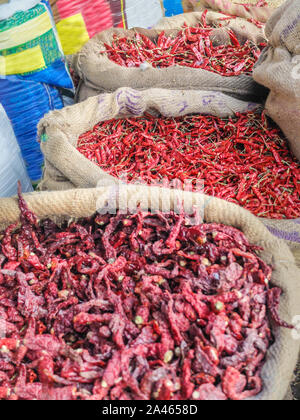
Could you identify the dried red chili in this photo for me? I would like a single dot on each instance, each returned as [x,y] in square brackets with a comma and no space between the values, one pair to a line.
[93,321]
[245,159]
[191,47]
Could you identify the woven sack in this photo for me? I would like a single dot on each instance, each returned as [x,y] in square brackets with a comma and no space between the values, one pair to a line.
[279,70]
[98,72]
[249,10]
[283,355]
[59,130]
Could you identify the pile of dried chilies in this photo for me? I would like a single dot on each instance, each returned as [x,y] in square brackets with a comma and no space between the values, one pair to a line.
[192,47]
[244,160]
[136,306]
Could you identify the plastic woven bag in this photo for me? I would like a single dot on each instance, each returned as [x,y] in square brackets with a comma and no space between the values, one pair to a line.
[79,20]
[173,7]
[32,66]
[12,168]
[25,104]
[29,45]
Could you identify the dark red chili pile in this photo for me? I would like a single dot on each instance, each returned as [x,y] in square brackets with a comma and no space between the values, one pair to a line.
[245,160]
[192,47]
[139,306]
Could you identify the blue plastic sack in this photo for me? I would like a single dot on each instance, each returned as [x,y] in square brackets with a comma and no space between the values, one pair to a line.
[12,168]
[25,103]
[173,7]
[32,69]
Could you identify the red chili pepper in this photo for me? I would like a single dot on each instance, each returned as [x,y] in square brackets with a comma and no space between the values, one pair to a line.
[191,47]
[133,306]
[237,158]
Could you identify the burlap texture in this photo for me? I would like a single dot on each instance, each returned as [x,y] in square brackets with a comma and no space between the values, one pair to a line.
[283,355]
[271,3]
[279,70]
[244,29]
[59,130]
[234,8]
[54,180]
[98,72]
[288,230]
[84,92]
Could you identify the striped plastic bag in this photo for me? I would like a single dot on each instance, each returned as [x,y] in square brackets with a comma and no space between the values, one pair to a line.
[32,67]
[79,20]
[29,45]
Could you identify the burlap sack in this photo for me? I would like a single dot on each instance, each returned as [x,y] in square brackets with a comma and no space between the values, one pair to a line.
[279,70]
[274,4]
[59,130]
[235,7]
[54,180]
[98,72]
[289,231]
[84,92]
[282,356]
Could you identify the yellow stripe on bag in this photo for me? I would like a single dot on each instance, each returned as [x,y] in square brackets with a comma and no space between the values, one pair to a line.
[123,14]
[72,33]
[23,62]
[26,32]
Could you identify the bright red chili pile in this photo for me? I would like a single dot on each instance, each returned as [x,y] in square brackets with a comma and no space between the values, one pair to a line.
[244,160]
[192,47]
[136,306]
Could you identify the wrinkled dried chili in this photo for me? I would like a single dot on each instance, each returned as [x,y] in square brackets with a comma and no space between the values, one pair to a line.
[88,320]
[192,47]
[245,159]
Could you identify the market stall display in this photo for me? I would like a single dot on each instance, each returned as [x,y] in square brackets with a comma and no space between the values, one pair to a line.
[159,258]
[116,245]
[32,67]
[12,168]
[157,58]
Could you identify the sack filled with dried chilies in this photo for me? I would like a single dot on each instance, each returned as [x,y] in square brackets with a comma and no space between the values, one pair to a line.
[98,255]
[206,51]
[59,132]
[255,11]
[242,158]
[226,143]
[278,70]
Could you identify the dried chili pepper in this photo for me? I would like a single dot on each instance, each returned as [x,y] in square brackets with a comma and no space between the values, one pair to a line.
[244,159]
[191,47]
[132,321]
